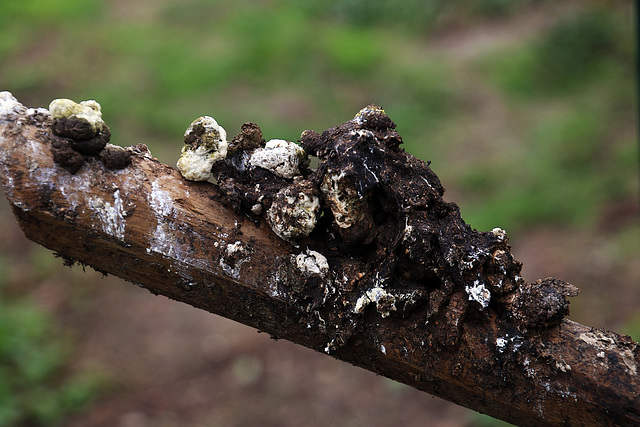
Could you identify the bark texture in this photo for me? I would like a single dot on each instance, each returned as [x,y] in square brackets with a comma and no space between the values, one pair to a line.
[387,277]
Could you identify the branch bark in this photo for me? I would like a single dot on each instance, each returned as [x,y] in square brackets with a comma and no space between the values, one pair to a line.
[411,292]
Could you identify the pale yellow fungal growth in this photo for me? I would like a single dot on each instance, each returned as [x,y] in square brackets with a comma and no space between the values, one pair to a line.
[88,111]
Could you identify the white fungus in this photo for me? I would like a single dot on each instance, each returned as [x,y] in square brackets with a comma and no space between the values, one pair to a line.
[499,233]
[501,343]
[283,158]
[236,255]
[345,202]
[312,263]
[205,144]
[385,302]
[293,214]
[110,216]
[479,293]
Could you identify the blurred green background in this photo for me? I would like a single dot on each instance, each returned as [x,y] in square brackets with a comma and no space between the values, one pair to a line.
[526,109]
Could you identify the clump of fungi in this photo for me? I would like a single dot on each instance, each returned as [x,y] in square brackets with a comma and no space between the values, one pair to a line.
[82,133]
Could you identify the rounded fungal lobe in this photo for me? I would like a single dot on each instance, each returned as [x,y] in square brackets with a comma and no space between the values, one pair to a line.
[283,158]
[115,157]
[82,123]
[92,146]
[542,304]
[205,144]
[249,138]
[374,118]
[294,211]
[312,263]
[76,121]
[65,156]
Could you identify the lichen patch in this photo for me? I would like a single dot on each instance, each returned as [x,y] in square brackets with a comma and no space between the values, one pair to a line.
[604,342]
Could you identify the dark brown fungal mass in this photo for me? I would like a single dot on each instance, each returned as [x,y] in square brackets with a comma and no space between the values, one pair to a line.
[73,127]
[249,138]
[542,304]
[377,215]
[65,156]
[382,218]
[92,146]
[75,137]
[115,157]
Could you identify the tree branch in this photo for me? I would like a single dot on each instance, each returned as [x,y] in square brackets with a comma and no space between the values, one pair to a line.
[388,277]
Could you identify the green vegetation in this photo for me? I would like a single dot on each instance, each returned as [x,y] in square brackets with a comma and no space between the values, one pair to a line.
[572,91]
[35,389]
[530,130]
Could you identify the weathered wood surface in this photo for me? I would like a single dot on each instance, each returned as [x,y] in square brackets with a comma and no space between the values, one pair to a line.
[185,240]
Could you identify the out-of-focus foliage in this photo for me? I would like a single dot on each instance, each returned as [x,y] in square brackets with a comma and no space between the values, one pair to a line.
[35,390]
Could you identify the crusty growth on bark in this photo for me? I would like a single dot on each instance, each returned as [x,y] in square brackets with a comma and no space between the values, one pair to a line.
[360,258]
[382,210]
